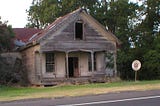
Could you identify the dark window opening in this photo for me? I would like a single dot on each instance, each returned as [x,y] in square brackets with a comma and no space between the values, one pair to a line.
[79,30]
[50,62]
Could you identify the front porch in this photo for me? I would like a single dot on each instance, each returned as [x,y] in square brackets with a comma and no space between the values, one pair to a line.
[78,66]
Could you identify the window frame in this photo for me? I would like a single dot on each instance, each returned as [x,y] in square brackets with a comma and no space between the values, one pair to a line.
[76,38]
[50,62]
[90,62]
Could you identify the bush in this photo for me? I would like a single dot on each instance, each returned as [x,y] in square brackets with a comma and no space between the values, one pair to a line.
[12,72]
[151,66]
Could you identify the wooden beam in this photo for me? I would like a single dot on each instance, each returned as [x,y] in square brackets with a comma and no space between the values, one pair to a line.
[115,64]
[92,59]
[41,74]
[67,71]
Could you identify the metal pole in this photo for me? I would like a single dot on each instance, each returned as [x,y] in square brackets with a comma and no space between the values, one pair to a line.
[135,76]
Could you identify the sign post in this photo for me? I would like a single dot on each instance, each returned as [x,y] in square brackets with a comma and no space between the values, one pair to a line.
[136,65]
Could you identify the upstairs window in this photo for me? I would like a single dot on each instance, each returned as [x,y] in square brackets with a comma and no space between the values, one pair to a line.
[50,62]
[79,30]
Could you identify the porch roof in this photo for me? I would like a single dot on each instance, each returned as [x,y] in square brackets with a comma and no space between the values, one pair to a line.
[78,46]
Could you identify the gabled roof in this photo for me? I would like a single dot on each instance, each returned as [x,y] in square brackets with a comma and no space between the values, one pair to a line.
[24,34]
[71,16]
[54,25]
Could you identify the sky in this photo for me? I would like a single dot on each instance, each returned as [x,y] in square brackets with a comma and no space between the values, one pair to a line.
[14,11]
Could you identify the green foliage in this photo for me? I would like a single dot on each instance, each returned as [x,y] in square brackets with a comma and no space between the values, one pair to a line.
[6,35]
[5,73]
[109,60]
[12,72]
[145,35]
[44,12]
[151,65]
[124,61]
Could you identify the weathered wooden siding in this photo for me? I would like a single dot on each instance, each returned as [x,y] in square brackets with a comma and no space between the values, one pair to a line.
[100,63]
[64,39]
[60,67]
[84,64]
[90,34]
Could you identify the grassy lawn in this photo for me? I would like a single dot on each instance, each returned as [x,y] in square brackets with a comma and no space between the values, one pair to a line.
[17,93]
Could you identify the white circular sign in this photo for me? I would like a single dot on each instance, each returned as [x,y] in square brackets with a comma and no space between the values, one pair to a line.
[136,65]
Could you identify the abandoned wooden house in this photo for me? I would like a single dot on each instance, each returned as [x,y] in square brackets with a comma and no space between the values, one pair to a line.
[72,47]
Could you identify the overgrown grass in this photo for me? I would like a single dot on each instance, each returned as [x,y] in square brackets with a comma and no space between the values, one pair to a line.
[16,93]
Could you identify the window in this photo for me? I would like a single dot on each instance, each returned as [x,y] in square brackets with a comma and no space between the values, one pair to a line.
[50,62]
[79,30]
[90,62]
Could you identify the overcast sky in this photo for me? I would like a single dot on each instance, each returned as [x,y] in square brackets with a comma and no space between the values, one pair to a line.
[14,11]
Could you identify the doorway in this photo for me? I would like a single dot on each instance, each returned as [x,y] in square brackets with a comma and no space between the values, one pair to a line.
[73,67]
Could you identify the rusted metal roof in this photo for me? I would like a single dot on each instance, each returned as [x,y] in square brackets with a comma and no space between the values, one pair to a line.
[24,34]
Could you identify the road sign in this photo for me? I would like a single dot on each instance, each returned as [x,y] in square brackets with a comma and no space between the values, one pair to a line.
[136,65]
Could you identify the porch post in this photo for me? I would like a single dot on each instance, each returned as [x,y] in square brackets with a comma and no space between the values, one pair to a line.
[67,75]
[92,59]
[115,64]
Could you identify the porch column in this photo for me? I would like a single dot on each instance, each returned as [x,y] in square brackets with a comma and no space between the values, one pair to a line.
[67,75]
[92,59]
[115,64]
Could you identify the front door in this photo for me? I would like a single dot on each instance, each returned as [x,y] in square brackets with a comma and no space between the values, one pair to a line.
[73,66]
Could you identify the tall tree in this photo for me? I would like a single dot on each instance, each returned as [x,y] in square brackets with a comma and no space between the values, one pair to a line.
[148,29]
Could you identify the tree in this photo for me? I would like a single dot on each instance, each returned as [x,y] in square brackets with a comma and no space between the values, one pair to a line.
[121,13]
[8,73]
[6,35]
[148,29]
[44,12]
[146,38]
